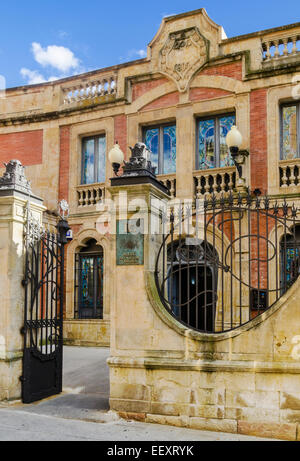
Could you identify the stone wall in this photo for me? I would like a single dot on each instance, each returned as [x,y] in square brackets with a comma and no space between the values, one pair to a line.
[87,333]
[244,381]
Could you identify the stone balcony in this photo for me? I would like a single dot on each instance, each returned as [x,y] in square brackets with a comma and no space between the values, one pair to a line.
[277,49]
[169,180]
[89,195]
[214,181]
[289,173]
[90,89]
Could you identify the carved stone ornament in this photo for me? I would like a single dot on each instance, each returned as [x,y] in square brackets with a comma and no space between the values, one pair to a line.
[63,209]
[139,162]
[14,178]
[183,54]
[34,230]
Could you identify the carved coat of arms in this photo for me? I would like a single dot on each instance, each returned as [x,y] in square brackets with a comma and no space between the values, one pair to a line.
[183,54]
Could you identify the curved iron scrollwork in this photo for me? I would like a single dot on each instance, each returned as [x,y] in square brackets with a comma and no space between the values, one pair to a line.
[227,260]
[43,313]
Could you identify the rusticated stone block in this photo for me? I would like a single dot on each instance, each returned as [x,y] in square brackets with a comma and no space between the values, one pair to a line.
[129,391]
[289,401]
[268,430]
[265,399]
[178,421]
[130,406]
[258,414]
[170,409]
[218,425]
[210,396]
[207,411]
[132,416]
[240,399]
[290,416]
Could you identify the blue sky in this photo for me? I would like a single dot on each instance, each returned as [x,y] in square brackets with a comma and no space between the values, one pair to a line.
[47,39]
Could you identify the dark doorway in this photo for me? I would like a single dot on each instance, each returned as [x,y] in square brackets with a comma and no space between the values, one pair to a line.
[193,291]
[290,258]
[89,282]
[192,285]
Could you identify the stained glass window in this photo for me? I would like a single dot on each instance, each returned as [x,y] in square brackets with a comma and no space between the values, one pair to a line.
[225,125]
[290,132]
[162,143]
[93,160]
[206,144]
[169,160]
[212,149]
[152,142]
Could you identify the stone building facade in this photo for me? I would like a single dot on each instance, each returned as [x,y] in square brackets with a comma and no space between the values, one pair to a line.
[181,100]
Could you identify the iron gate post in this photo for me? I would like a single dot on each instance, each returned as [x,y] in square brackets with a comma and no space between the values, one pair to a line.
[63,228]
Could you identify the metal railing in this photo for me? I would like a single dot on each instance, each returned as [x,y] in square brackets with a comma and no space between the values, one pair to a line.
[227,260]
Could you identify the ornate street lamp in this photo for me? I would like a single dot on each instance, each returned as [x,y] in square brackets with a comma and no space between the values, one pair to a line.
[234,140]
[116,158]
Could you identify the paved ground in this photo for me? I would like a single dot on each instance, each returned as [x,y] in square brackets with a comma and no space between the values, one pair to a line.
[82,411]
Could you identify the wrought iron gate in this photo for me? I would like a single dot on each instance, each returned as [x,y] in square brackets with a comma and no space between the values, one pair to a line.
[227,260]
[43,313]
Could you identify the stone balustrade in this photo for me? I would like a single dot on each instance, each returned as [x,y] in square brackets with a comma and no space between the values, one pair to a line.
[279,47]
[289,171]
[90,89]
[90,194]
[170,182]
[217,181]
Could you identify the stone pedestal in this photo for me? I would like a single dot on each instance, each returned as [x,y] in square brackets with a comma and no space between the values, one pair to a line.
[14,196]
[244,381]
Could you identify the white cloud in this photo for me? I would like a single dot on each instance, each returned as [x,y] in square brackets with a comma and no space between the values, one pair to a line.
[34,77]
[132,54]
[141,53]
[59,57]
[63,34]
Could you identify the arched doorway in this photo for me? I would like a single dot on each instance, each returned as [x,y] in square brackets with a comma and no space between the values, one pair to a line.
[89,282]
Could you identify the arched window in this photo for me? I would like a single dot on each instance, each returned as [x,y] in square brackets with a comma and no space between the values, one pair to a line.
[192,284]
[290,258]
[89,282]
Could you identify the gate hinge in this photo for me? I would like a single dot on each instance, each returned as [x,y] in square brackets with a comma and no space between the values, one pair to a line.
[22,379]
[24,282]
[22,331]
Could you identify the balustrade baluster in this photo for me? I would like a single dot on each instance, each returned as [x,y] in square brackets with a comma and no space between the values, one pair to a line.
[284,178]
[294,49]
[172,188]
[292,177]
[285,49]
[276,52]
[268,53]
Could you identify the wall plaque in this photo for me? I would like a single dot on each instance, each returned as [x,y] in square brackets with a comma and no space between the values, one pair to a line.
[130,244]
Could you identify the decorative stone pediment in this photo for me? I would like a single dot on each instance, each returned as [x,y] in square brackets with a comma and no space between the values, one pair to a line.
[182,55]
[183,45]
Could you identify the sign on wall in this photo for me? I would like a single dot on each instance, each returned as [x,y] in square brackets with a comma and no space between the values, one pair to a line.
[130,243]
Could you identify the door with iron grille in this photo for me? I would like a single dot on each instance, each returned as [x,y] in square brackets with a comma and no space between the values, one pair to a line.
[43,313]
[89,282]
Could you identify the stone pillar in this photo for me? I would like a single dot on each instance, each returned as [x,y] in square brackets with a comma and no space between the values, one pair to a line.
[15,193]
[138,198]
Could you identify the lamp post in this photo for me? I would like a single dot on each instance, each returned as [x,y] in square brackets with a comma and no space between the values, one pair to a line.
[116,158]
[234,140]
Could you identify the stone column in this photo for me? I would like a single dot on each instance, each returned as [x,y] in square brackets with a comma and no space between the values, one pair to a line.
[15,193]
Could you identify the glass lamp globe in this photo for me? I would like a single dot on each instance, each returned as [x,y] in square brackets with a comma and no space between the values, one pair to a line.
[116,158]
[116,155]
[234,138]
